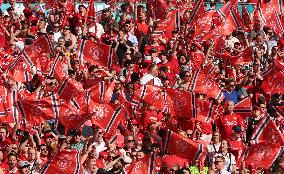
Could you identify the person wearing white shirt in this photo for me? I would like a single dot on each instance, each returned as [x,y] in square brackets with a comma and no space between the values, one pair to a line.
[151,77]
[229,158]
[98,29]
[220,165]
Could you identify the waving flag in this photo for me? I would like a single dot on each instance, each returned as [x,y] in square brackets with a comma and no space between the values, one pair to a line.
[52,4]
[34,53]
[37,111]
[246,56]
[181,103]
[267,131]
[203,84]
[9,110]
[246,16]
[68,89]
[91,11]
[244,108]
[64,161]
[176,144]
[262,154]
[95,53]
[106,116]
[153,95]
[19,70]
[161,9]
[145,165]
[168,24]
[198,10]
[56,69]
[273,81]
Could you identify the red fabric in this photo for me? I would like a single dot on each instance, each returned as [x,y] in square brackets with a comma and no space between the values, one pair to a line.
[199,9]
[106,116]
[180,103]
[273,81]
[19,70]
[91,11]
[94,52]
[198,58]
[244,108]
[69,88]
[172,160]
[226,123]
[168,25]
[41,110]
[262,154]
[180,146]
[65,161]
[267,131]
[141,166]
[203,84]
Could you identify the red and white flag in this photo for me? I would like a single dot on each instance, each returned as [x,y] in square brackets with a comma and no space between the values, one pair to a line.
[262,154]
[267,131]
[64,161]
[168,24]
[273,81]
[41,48]
[244,108]
[106,116]
[203,84]
[95,53]
[181,103]
[68,89]
[145,165]
[9,110]
[176,144]
[198,10]
[20,70]
[246,56]
[38,111]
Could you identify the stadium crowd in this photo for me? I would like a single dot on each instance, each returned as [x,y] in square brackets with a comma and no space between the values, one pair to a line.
[149,87]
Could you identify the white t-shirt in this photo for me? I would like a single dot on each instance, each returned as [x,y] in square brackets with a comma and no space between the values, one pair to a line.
[100,30]
[229,159]
[148,77]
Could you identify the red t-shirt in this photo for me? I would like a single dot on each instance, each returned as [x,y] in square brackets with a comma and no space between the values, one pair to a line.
[226,123]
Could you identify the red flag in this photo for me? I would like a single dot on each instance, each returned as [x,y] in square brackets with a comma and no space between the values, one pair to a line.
[64,161]
[98,91]
[109,92]
[69,89]
[56,69]
[203,24]
[70,7]
[244,57]
[203,84]
[52,4]
[262,154]
[106,116]
[273,81]
[244,108]
[181,103]
[91,11]
[265,11]
[38,111]
[198,10]
[161,9]
[95,53]
[168,24]
[37,50]
[267,131]
[145,165]
[6,60]
[176,144]
[246,16]
[9,111]
[279,64]
[153,95]
[19,70]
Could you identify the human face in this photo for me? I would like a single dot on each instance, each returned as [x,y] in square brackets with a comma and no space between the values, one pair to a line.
[130,142]
[216,137]
[224,145]
[12,161]
[155,71]
[43,151]
[92,166]
[140,155]
[25,170]
[219,163]
[3,134]
[230,106]
[32,154]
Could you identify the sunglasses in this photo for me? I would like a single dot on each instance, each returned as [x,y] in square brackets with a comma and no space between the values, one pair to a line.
[130,140]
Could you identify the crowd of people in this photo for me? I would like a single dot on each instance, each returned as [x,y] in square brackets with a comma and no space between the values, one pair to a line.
[141,87]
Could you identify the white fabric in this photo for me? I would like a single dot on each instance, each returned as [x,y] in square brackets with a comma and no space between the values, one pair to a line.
[100,30]
[148,77]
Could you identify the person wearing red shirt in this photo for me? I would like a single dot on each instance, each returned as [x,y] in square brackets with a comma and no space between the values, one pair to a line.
[197,56]
[228,120]
[237,144]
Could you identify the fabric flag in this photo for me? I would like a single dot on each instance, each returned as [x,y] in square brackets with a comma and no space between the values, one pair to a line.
[237,16]
[57,69]
[91,12]
[69,7]
[95,53]
[106,116]
[37,111]
[153,95]
[262,154]
[172,160]
[161,9]
[98,92]
[41,48]
[198,10]
[19,70]
[109,92]
[145,165]
[9,110]
[64,161]
[244,57]
[168,25]
[203,24]
[69,88]
[244,108]
[203,84]
[279,111]
[273,81]
[275,23]
[267,131]
[246,16]
[6,60]
[279,64]
[265,11]
[226,8]
[181,103]
[176,144]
